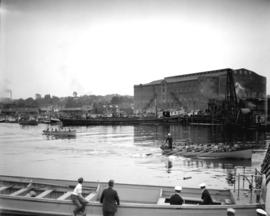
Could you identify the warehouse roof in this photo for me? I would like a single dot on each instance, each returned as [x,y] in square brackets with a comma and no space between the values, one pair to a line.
[193,76]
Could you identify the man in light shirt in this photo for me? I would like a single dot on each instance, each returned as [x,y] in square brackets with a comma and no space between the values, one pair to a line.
[77,198]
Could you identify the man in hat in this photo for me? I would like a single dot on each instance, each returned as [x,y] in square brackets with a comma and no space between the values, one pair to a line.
[206,197]
[77,198]
[110,200]
[176,199]
[230,212]
[261,212]
[170,141]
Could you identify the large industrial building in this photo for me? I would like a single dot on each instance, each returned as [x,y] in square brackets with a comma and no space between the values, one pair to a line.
[194,92]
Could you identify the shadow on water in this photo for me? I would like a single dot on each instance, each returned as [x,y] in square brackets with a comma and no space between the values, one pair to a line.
[59,137]
[216,163]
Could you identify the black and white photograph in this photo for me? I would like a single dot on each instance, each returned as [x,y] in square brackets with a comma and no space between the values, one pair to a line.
[134,107]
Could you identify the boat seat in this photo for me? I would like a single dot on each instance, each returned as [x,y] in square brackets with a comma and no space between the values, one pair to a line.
[44,193]
[228,201]
[65,196]
[161,192]
[91,196]
[18,192]
[3,188]
[194,200]
[161,201]
[131,194]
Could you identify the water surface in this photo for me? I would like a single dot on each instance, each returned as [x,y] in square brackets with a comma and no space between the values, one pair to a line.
[127,154]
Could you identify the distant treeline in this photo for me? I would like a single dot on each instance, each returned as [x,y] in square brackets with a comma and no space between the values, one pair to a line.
[70,102]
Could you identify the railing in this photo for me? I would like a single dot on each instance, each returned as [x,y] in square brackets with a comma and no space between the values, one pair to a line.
[254,184]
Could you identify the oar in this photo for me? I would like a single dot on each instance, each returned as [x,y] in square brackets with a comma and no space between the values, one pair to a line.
[187,177]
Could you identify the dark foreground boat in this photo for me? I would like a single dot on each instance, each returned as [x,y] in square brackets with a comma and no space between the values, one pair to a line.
[53,198]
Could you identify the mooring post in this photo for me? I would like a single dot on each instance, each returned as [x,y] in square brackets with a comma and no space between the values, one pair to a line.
[267,197]
[238,192]
[251,189]
[234,182]
[244,175]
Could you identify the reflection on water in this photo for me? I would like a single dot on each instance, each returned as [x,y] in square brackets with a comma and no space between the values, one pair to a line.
[129,154]
[198,135]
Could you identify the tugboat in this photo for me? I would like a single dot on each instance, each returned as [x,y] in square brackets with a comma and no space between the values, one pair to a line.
[30,120]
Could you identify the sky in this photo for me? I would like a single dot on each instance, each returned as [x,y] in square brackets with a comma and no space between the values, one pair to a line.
[108,46]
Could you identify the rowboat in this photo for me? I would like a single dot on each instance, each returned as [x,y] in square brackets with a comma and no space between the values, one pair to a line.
[68,133]
[181,151]
[53,198]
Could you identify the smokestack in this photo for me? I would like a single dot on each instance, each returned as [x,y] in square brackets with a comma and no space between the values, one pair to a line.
[10,93]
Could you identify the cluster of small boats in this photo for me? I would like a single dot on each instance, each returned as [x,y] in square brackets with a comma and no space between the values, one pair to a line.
[52,197]
[209,151]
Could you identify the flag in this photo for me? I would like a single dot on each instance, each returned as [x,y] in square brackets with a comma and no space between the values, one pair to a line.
[265,167]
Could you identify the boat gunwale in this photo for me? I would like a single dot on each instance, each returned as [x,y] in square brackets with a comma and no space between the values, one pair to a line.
[96,182]
[67,184]
[132,205]
[212,154]
[29,212]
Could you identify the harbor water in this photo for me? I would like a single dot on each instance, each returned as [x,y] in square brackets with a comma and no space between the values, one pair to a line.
[127,154]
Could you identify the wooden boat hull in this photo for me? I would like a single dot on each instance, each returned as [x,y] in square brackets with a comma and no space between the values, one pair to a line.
[59,133]
[27,207]
[241,154]
[136,200]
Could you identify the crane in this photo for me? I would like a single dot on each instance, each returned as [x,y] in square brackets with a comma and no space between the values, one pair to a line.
[231,107]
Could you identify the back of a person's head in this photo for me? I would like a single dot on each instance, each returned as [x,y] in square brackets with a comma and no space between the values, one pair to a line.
[80,180]
[111,183]
[32,193]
